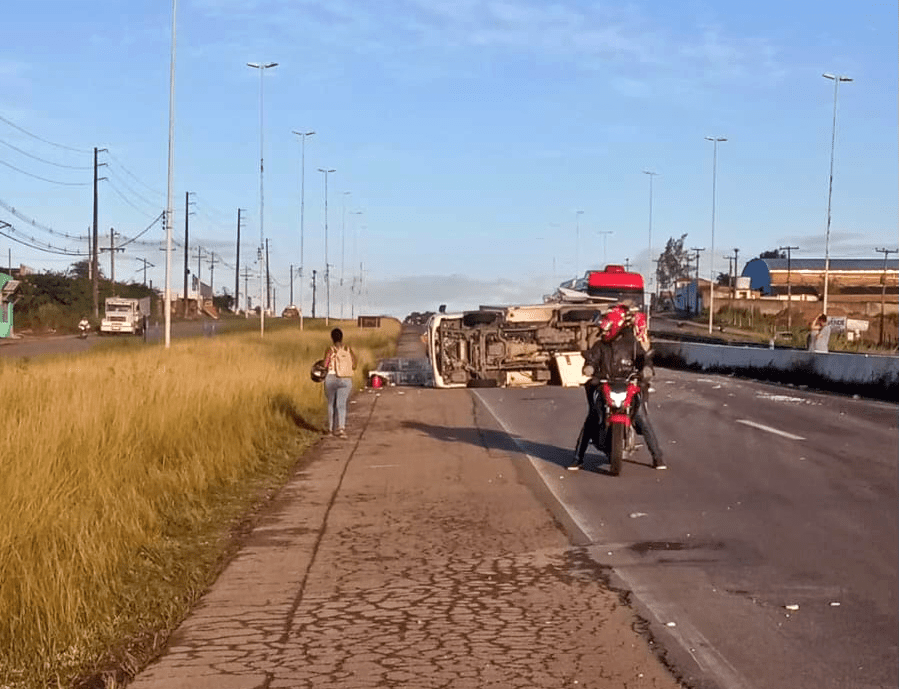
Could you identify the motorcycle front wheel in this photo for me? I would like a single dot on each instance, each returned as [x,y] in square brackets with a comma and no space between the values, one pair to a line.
[617,433]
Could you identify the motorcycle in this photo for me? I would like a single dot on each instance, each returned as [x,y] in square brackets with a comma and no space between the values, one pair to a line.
[83,329]
[620,399]
[616,396]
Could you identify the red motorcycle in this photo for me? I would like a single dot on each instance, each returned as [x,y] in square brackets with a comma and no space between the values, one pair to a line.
[620,399]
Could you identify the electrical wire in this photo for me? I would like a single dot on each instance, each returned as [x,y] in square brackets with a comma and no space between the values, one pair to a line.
[44,179]
[35,136]
[133,176]
[48,162]
[40,226]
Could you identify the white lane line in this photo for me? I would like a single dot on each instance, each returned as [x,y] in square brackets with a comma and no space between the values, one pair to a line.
[546,470]
[776,431]
[690,639]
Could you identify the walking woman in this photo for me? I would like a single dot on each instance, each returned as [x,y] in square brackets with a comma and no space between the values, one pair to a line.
[340,361]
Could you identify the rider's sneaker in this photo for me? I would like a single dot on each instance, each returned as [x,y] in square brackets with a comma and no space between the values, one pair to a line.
[576,464]
[659,464]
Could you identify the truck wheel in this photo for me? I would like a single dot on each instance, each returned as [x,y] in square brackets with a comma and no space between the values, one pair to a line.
[482,383]
[478,318]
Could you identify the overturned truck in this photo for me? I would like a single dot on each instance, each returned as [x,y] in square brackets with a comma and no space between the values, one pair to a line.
[536,344]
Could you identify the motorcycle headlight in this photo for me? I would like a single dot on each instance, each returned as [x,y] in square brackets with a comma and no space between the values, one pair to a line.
[587,370]
[618,397]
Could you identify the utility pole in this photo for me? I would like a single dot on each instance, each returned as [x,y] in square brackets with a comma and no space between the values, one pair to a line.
[313,292]
[789,250]
[146,263]
[212,263]
[95,257]
[291,283]
[736,254]
[186,246]
[112,249]
[200,255]
[268,280]
[627,264]
[883,291]
[237,267]
[246,292]
[696,292]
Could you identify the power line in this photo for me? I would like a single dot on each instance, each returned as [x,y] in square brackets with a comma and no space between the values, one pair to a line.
[35,136]
[48,162]
[133,176]
[44,179]
[36,224]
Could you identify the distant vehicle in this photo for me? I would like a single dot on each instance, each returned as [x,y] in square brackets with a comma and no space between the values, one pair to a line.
[124,315]
[500,346]
[290,312]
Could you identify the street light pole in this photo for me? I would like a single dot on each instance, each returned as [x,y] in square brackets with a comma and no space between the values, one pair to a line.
[169,213]
[326,172]
[261,66]
[605,234]
[789,250]
[577,243]
[343,250]
[715,141]
[649,264]
[837,78]
[303,136]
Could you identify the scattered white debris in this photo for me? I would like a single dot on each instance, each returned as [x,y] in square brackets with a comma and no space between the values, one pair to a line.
[635,515]
[716,387]
[792,606]
[834,604]
[786,398]
[671,624]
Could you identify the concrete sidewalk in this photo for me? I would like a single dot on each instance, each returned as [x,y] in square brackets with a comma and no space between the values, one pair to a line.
[409,555]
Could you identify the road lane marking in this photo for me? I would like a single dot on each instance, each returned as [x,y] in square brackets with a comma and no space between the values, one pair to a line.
[776,431]
[703,653]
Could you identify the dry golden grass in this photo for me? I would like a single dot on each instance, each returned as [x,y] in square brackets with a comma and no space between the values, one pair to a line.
[122,473]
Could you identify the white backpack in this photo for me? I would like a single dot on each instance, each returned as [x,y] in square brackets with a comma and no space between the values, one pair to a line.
[343,362]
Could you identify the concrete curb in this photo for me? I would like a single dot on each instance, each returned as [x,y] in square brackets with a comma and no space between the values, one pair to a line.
[867,375]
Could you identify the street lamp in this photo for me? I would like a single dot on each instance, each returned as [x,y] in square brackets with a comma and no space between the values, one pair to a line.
[169,213]
[353,262]
[649,264]
[261,66]
[326,172]
[837,78]
[303,136]
[343,248]
[577,243]
[715,141]
[605,234]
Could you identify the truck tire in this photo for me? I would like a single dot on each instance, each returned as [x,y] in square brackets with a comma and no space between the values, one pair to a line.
[479,318]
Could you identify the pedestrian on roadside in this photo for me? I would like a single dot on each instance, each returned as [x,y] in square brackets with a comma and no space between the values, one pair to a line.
[340,361]
[819,337]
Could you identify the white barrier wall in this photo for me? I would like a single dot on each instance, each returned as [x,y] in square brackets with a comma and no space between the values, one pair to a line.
[869,374]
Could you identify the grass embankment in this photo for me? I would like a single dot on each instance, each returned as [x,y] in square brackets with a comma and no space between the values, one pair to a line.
[124,474]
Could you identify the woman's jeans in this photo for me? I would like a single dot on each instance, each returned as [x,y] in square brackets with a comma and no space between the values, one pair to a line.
[337,390]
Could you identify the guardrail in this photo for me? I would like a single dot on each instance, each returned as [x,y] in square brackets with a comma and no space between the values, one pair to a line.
[867,375]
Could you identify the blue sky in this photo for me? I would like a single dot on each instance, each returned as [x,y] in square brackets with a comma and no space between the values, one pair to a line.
[468,133]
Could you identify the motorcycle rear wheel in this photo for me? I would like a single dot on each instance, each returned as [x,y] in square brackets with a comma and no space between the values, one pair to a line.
[616,448]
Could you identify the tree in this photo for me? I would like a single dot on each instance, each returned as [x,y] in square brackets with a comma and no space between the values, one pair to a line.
[774,253]
[674,263]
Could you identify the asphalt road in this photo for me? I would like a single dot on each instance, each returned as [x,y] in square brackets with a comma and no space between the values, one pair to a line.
[775,498]
[51,345]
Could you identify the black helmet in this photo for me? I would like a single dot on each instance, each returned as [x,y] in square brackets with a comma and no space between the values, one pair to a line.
[318,372]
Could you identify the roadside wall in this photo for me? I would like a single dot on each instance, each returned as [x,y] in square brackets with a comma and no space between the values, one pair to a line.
[862,374]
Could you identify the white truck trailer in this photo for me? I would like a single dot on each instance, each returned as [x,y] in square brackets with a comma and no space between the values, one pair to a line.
[124,315]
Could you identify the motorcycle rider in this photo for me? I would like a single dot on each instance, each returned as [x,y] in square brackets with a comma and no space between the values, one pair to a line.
[84,326]
[620,321]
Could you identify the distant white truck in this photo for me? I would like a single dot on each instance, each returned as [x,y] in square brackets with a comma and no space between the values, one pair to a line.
[125,315]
